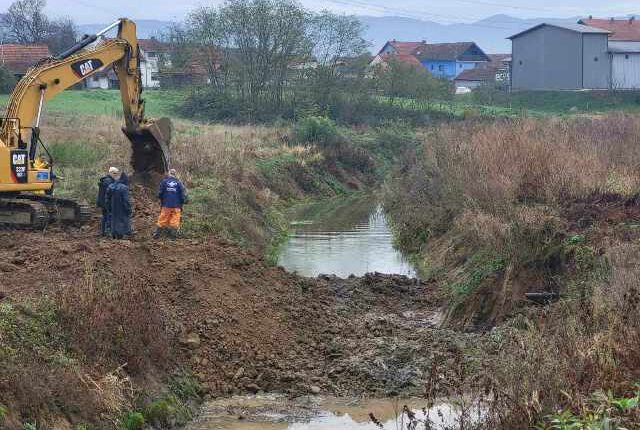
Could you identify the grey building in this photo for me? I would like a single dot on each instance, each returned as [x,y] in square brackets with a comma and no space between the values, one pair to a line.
[560,57]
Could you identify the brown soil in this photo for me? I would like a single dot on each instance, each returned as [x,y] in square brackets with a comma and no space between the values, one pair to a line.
[244,327]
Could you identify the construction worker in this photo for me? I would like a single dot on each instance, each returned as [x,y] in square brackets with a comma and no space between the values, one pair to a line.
[172,195]
[120,207]
[101,201]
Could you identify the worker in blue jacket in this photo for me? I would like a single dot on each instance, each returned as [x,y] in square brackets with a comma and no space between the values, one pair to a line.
[118,201]
[173,195]
[101,201]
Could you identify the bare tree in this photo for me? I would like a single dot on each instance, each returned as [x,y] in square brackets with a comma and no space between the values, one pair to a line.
[61,35]
[336,37]
[25,21]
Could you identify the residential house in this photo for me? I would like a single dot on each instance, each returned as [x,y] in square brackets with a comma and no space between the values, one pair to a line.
[394,47]
[495,73]
[399,51]
[19,58]
[448,60]
[153,55]
[443,60]
[560,57]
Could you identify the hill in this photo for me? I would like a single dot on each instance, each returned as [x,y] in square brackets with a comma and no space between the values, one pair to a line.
[147,28]
[490,33]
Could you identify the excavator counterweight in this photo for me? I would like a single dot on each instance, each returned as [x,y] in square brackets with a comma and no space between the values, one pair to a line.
[27,187]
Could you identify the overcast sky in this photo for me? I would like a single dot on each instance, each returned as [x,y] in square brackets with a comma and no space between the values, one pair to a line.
[444,11]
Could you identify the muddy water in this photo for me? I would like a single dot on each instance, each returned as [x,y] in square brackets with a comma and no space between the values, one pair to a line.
[345,237]
[272,412]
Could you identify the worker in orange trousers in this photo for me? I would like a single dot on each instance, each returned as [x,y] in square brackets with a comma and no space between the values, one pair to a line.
[173,195]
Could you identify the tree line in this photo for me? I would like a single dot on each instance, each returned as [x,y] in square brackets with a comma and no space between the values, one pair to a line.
[274,58]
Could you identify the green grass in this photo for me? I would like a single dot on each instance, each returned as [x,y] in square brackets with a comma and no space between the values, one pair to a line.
[533,103]
[107,102]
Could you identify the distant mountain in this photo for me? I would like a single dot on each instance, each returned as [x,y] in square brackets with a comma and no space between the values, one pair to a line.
[490,33]
[147,28]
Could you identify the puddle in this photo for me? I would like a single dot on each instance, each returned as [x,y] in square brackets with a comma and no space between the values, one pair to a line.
[344,237]
[273,412]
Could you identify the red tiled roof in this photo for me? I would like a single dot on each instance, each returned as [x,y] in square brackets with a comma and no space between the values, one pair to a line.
[461,51]
[621,29]
[403,58]
[480,74]
[405,48]
[485,72]
[153,45]
[18,58]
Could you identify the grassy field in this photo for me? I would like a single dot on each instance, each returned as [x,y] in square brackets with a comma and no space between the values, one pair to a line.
[480,104]
[490,104]
[107,102]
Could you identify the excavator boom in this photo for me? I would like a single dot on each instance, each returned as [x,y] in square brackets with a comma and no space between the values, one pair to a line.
[53,75]
[22,181]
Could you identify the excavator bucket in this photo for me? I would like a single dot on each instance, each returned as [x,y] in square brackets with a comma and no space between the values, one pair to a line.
[150,147]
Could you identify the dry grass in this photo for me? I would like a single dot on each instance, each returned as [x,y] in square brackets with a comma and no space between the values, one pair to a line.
[495,166]
[528,205]
[560,356]
[235,174]
[114,321]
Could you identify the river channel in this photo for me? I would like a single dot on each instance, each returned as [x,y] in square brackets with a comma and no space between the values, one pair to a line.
[342,237]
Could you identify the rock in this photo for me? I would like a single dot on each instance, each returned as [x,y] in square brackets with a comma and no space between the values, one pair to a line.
[192,340]
[238,374]
[7,267]
[314,389]
[253,388]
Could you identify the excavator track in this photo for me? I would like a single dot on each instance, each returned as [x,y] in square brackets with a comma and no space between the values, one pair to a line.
[21,213]
[61,210]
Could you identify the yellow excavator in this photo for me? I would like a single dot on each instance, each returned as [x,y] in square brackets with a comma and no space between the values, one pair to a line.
[26,184]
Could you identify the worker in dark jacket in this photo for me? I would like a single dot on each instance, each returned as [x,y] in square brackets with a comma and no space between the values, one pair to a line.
[101,201]
[172,195]
[118,202]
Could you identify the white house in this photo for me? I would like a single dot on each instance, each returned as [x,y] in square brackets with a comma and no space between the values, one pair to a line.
[152,56]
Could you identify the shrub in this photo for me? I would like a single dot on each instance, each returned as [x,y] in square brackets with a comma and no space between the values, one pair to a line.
[316,129]
[7,81]
[112,319]
[133,421]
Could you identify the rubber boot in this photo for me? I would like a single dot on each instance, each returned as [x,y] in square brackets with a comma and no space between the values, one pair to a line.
[157,233]
[172,232]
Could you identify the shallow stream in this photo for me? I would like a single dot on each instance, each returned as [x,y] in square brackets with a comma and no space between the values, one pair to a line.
[273,412]
[342,237]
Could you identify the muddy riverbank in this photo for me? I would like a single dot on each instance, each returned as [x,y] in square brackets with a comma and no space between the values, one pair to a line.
[275,412]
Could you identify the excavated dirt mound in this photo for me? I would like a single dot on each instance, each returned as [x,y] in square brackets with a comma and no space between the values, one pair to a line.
[244,327]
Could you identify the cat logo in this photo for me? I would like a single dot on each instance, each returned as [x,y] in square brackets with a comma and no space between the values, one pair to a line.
[19,171]
[86,67]
[19,159]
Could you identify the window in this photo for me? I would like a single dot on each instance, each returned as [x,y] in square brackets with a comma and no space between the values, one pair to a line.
[520,62]
[440,68]
[626,56]
[595,59]
[432,67]
[461,66]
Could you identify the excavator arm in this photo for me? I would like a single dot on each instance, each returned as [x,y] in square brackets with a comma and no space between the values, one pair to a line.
[149,139]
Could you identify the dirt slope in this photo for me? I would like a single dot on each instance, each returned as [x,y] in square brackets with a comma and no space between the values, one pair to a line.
[242,326]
